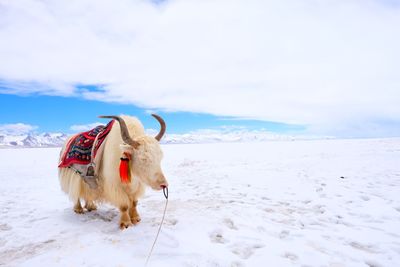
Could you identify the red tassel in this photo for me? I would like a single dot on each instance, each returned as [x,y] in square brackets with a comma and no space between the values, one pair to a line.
[124,168]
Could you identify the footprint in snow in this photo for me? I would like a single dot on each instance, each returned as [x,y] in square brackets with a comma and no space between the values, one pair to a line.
[269,210]
[5,227]
[283,234]
[37,219]
[365,198]
[217,237]
[319,209]
[230,224]
[371,263]
[245,251]
[283,203]
[366,248]
[290,256]
[171,222]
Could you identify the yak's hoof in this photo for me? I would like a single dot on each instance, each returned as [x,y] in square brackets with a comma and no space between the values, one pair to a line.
[90,207]
[78,210]
[136,219]
[124,225]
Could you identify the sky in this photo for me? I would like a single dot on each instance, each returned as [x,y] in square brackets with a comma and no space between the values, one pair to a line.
[292,66]
[40,113]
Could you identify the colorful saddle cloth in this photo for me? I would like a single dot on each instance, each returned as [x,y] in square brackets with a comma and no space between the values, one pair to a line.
[79,148]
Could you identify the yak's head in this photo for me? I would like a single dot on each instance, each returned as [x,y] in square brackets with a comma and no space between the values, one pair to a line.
[146,154]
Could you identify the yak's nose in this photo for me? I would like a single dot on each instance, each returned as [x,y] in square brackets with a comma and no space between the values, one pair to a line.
[162,181]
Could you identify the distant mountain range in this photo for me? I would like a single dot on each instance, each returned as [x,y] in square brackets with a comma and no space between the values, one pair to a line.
[33,140]
[58,139]
[234,136]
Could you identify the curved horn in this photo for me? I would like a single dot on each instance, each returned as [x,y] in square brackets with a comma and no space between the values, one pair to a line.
[124,130]
[163,126]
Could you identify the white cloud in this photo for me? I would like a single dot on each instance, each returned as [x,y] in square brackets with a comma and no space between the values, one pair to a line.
[17,128]
[325,64]
[85,127]
[151,131]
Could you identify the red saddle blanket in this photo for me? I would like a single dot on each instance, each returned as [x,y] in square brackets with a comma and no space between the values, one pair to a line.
[79,148]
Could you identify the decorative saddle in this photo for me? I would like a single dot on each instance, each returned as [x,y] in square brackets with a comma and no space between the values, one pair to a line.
[82,152]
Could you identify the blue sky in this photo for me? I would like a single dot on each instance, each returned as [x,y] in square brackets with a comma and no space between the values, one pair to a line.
[58,114]
[325,68]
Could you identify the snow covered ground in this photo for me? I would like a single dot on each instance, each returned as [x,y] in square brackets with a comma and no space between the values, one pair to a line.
[278,203]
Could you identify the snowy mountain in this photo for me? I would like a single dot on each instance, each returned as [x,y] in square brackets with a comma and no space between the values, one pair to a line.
[231,137]
[32,140]
[199,137]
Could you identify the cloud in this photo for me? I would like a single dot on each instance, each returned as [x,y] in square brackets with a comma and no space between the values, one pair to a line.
[324,64]
[85,127]
[151,131]
[17,128]
[224,129]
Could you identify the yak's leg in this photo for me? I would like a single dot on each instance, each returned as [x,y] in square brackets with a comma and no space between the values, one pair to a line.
[135,218]
[125,220]
[78,207]
[89,205]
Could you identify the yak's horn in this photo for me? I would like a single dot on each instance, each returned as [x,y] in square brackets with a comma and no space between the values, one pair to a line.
[124,130]
[163,126]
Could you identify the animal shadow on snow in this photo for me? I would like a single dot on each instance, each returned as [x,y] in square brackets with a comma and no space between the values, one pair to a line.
[105,214]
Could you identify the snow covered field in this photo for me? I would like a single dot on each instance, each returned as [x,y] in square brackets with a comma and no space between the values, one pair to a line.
[279,203]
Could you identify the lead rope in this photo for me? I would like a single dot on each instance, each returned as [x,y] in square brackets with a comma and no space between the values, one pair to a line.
[165,192]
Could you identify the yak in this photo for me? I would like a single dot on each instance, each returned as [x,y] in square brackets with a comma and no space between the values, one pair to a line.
[127,137]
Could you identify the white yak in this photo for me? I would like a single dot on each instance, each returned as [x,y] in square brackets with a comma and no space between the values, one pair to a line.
[126,136]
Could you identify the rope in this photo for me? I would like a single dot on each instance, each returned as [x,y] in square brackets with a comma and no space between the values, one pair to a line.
[165,192]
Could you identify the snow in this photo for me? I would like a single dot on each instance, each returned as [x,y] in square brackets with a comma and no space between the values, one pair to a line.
[278,203]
